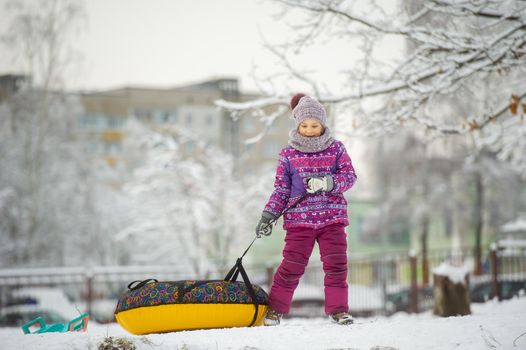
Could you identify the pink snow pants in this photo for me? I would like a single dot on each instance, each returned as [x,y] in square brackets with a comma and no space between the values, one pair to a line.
[299,243]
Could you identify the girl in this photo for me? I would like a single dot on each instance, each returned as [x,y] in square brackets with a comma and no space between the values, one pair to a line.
[313,162]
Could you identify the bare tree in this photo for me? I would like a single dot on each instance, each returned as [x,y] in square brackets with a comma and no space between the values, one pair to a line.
[45,177]
[457,78]
[40,39]
[460,50]
[189,211]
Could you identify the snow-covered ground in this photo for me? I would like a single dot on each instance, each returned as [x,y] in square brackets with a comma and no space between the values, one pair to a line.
[492,325]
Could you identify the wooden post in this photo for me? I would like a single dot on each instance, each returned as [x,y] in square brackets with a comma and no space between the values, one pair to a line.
[479,206]
[414,286]
[494,261]
[425,271]
[384,296]
[425,263]
[89,294]
[451,294]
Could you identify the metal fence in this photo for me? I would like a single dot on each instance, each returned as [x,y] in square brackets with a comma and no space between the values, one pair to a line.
[381,284]
[392,282]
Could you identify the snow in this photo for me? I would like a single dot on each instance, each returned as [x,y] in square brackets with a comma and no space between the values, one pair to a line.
[493,325]
[361,297]
[308,292]
[365,297]
[512,243]
[515,226]
[47,297]
[456,274]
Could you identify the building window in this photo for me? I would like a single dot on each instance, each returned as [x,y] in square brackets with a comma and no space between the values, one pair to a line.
[142,114]
[171,117]
[166,117]
[228,86]
[115,122]
[112,148]
[103,121]
[158,116]
[93,121]
[189,119]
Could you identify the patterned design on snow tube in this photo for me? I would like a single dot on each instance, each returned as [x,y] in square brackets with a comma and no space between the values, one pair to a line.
[190,292]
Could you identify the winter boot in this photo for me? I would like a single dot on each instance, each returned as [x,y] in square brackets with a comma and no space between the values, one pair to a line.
[342,318]
[272,317]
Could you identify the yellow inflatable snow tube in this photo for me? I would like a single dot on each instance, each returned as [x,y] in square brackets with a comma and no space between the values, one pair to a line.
[158,307]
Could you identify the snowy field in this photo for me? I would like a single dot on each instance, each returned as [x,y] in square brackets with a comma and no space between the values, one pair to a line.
[492,326]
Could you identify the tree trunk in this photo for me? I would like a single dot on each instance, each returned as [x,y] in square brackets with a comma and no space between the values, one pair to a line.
[425,226]
[479,202]
[424,237]
[451,299]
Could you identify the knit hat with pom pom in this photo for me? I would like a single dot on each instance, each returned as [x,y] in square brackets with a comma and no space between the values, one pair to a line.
[305,107]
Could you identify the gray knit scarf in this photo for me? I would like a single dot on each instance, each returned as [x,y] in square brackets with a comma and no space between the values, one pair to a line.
[310,144]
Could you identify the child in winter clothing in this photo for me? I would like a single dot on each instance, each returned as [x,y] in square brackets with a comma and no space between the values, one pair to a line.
[316,163]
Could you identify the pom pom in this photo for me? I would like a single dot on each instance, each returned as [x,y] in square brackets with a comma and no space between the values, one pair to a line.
[295,100]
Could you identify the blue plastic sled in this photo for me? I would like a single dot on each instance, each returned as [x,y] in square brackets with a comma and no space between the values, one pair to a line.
[78,324]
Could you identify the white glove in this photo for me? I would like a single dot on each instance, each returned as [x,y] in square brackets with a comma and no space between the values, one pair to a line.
[316,184]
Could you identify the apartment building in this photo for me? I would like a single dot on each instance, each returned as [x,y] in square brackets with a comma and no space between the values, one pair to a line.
[191,110]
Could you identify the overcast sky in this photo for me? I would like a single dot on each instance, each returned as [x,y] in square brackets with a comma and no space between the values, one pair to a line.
[166,43]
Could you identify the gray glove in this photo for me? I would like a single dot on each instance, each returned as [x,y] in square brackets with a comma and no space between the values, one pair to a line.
[264,226]
[317,184]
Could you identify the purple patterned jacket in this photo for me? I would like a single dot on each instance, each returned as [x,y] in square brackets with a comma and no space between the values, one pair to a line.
[323,208]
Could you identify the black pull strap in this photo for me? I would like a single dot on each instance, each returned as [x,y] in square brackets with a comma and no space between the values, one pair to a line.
[292,206]
[238,268]
[140,283]
[251,292]
[232,276]
[272,222]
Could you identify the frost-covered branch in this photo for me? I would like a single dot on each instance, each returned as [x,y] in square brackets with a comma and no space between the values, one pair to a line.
[196,206]
[447,49]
